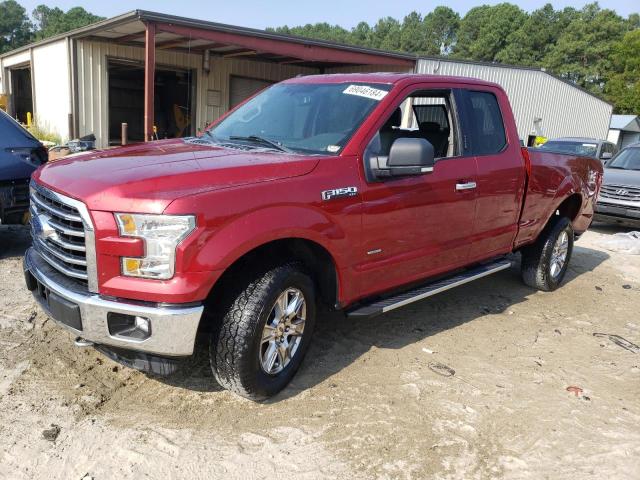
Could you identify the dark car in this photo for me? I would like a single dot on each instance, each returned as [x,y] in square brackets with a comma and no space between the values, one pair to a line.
[619,200]
[20,155]
[586,147]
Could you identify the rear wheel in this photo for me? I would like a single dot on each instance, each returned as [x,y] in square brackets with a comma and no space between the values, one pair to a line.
[545,263]
[265,332]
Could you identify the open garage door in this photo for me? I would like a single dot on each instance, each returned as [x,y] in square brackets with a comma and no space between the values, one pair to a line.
[173,103]
[241,88]
[22,93]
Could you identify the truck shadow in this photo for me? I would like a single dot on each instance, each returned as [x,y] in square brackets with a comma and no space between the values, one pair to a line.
[339,342]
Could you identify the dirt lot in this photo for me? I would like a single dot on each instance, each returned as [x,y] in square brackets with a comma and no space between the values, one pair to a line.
[366,403]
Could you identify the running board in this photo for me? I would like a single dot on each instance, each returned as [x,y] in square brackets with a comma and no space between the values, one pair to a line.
[391,303]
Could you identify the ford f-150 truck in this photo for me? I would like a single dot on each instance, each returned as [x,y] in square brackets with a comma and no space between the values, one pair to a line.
[361,192]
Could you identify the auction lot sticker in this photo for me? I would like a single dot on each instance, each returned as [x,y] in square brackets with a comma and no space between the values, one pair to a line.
[364,91]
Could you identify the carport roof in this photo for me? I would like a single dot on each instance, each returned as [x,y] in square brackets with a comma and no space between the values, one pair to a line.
[192,35]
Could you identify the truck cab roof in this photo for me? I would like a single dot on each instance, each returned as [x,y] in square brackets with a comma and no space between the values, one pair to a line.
[389,78]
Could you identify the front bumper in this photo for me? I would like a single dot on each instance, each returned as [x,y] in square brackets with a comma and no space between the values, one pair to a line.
[621,213]
[173,327]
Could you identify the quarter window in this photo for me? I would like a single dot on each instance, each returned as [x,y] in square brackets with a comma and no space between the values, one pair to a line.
[486,130]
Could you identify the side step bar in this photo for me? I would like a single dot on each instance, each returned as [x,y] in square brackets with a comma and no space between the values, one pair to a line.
[391,303]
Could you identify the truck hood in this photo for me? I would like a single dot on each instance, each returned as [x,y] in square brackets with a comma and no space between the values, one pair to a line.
[615,176]
[147,177]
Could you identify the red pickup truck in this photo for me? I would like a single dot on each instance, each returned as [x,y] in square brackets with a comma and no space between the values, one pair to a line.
[360,192]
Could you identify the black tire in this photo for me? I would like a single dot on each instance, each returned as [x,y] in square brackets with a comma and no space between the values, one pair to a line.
[536,258]
[236,342]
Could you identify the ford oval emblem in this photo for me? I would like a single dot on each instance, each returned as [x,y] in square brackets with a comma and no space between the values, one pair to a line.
[40,227]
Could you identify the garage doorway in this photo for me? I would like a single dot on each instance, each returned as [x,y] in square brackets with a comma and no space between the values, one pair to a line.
[174,101]
[21,93]
[241,88]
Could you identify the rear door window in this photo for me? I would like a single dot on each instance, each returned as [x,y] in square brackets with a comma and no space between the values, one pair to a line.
[485,127]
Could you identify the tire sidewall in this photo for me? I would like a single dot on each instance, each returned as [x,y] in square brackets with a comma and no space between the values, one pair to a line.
[267,385]
[562,225]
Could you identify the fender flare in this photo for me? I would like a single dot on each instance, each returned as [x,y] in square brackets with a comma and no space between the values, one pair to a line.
[231,241]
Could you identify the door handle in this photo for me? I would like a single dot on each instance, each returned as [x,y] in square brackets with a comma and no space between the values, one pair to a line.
[465,186]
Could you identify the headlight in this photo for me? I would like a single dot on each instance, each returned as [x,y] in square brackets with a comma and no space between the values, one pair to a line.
[161,235]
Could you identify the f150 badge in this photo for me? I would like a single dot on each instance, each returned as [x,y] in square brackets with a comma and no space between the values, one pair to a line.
[339,193]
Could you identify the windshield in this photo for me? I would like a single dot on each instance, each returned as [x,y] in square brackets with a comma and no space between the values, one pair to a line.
[627,159]
[584,149]
[306,118]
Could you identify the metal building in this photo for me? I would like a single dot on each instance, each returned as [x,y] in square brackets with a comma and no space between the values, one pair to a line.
[544,105]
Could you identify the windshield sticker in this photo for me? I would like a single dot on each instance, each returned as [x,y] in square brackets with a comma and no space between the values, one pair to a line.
[333,148]
[589,145]
[364,91]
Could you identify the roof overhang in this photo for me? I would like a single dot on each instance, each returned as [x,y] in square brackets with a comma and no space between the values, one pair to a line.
[197,36]
[625,123]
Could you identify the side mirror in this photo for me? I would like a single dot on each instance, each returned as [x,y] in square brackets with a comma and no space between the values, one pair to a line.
[606,156]
[408,156]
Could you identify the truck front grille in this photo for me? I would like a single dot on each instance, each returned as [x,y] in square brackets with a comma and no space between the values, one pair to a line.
[58,233]
[620,192]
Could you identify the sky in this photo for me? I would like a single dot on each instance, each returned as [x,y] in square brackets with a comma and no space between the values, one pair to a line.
[265,13]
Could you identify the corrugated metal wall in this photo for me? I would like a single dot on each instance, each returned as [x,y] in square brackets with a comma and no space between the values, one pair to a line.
[564,110]
[93,81]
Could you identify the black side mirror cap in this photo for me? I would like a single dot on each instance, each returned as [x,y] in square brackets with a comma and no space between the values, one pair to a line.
[408,156]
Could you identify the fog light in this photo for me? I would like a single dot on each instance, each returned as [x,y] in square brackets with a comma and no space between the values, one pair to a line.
[128,326]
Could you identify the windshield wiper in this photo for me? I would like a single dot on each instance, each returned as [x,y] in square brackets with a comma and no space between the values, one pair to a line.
[262,140]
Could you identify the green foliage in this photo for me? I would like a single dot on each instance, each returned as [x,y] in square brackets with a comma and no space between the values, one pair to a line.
[53,21]
[44,134]
[15,29]
[623,86]
[593,47]
[583,50]
[536,37]
[484,31]
[441,27]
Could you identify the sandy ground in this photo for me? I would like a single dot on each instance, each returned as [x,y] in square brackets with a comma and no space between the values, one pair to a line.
[366,403]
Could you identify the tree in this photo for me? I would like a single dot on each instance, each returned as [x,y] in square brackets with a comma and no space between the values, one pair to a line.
[15,29]
[623,87]
[441,26]
[321,31]
[386,34]
[484,30]
[583,52]
[361,34]
[53,21]
[413,36]
[536,37]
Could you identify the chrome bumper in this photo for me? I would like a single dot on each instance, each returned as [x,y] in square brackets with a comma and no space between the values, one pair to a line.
[173,327]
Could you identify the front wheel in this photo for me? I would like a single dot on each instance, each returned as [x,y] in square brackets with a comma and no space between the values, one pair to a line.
[545,263]
[264,333]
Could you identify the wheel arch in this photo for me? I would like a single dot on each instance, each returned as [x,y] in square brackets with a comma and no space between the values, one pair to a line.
[315,257]
[569,207]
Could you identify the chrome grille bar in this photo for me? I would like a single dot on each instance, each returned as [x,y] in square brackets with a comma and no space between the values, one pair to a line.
[72,259]
[620,192]
[63,234]
[55,211]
